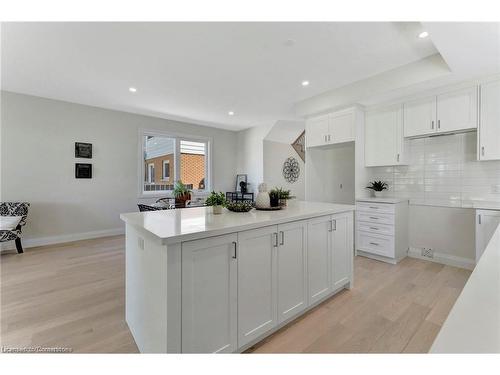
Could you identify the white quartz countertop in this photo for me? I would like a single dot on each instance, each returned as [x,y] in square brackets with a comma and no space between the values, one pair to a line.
[382,200]
[473,325]
[172,226]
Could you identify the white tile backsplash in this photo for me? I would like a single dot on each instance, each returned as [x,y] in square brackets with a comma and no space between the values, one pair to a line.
[443,171]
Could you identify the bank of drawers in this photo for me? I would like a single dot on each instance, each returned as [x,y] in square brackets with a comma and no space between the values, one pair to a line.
[375,224]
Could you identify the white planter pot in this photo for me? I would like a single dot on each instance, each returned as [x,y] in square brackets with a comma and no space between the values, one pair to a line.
[378,194]
[217,210]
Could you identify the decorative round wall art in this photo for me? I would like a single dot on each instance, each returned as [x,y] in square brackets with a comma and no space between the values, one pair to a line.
[291,170]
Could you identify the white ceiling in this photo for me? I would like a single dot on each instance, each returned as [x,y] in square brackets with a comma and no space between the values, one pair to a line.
[200,71]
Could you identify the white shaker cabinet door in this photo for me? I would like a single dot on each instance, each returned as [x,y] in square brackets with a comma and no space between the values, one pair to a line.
[317,130]
[342,250]
[457,110]
[209,295]
[419,117]
[487,222]
[257,278]
[489,126]
[319,257]
[341,127]
[384,143]
[292,271]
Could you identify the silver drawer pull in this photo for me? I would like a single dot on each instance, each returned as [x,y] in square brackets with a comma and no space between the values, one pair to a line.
[374,243]
[374,218]
[375,208]
[373,228]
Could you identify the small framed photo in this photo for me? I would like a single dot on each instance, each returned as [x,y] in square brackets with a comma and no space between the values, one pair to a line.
[83,170]
[239,179]
[83,150]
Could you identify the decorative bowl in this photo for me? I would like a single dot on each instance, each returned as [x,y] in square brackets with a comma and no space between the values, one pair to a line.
[239,206]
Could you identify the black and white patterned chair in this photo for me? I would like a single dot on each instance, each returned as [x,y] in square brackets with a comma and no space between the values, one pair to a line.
[14,209]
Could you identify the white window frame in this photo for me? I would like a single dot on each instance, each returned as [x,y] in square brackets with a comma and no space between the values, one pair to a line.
[177,166]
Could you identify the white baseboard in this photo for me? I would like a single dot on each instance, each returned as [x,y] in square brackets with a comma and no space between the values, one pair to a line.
[450,260]
[53,240]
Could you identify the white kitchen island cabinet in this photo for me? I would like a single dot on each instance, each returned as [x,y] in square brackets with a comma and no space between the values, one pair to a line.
[203,283]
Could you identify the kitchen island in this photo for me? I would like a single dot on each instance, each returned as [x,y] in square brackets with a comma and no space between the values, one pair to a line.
[203,283]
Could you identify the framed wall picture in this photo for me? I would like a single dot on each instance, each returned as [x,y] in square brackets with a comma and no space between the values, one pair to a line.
[239,186]
[83,150]
[83,170]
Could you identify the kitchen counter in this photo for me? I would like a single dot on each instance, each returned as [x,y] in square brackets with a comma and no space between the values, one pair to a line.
[203,283]
[473,325]
[172,226]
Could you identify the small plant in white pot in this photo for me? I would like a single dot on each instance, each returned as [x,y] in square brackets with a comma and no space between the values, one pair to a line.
[377,187]
[217,201]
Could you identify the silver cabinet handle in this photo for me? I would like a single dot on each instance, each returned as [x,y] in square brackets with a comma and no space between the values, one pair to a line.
[328,137]
[374,218]
[375,208]
[235,254]
[330,226]
[373,228]
[282,242]
[334,224]
[439,124]
[374,243]
[275,234]
[479,218]
[432,124]
[398,158]
[482,150]
[325,138]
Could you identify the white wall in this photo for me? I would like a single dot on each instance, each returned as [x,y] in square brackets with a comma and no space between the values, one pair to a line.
[37,155]
[250,154]
[275,154]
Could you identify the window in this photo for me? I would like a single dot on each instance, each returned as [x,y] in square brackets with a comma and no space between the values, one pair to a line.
[167,159]
[166,170]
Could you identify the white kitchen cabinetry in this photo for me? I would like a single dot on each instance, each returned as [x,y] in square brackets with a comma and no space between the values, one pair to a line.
[487,222]
[419,117]
[292,269]
[330,254]
[331,128]
[317,130]
[382,228]
[209,295]
[444,113]
[384,141]
[489,121]
[318,257]
[257,282]
[342,250]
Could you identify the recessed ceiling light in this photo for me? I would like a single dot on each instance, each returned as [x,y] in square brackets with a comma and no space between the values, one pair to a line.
[423,34]
[132,89]
[230,113]
[305,83]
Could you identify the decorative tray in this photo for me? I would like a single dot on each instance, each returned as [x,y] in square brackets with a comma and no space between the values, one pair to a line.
[269,208]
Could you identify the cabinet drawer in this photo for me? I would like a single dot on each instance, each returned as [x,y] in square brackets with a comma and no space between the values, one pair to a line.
[376,228]
[378,218]
[376,244]
[376,207]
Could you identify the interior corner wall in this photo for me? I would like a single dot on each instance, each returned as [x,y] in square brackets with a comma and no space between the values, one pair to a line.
[38,164]
[275,154]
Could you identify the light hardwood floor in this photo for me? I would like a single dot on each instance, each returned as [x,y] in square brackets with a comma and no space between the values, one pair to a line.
[73,296]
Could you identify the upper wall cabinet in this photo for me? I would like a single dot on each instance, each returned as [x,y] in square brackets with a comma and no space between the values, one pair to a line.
[489,125]
[384,142]
[331,128]
[419,117]
[445,113]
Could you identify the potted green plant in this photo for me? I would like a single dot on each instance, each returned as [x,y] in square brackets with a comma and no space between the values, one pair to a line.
[377,187]
[274,198]
[181,194]
[283,195]
[217,201]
